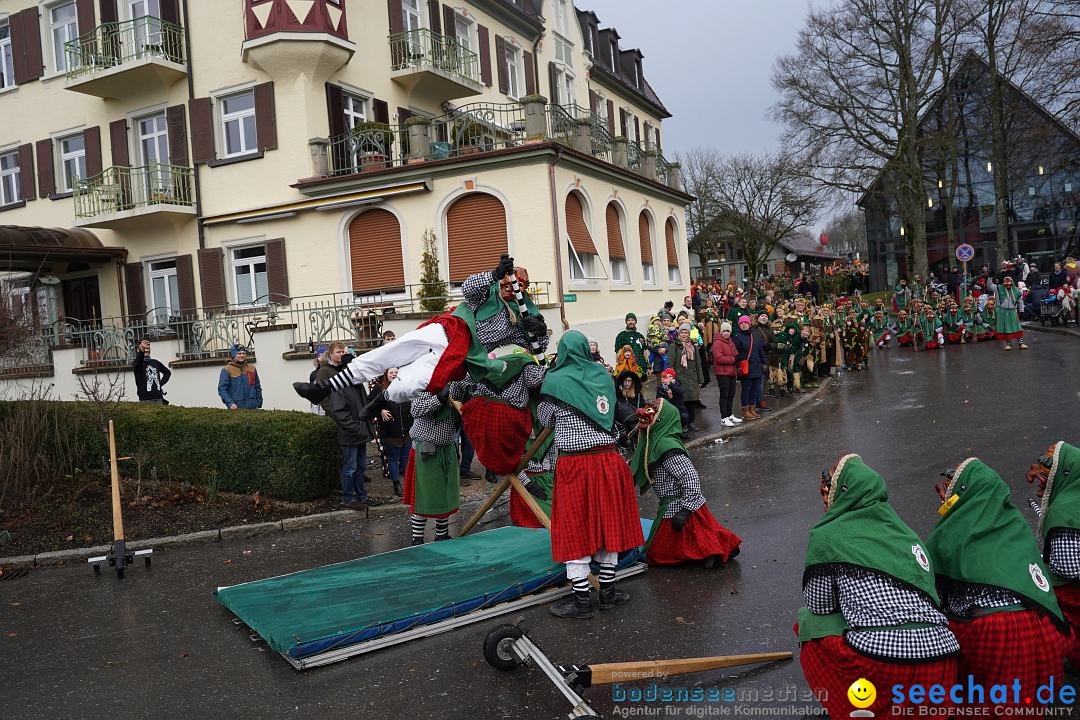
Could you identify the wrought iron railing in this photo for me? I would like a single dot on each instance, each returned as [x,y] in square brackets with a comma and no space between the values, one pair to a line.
[28,355]
[127,188]
[112,44]
[421,48]
[663,174]
[634,156]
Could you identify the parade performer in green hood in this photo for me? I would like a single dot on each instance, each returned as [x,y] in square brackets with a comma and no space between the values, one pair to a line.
[901,297]
[879,330]
[1058,475]
[905,329]
[993,584]
[594,514]
[1009,303]
[432,479]
[684,529]
[871,604]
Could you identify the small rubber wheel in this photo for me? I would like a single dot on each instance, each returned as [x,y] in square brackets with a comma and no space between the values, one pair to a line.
[497,647]
[120,571]
[97,569]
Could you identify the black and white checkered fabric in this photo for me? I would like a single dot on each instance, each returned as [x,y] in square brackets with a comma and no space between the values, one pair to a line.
[544,463]
[425,427]
[573,431]
[673,475]
[1065,552]
[966,600]
[869,599]
[516,393]
[498,330]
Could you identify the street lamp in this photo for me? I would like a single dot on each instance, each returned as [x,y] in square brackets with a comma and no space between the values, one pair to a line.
[989,166]
[901,231]
[930,202]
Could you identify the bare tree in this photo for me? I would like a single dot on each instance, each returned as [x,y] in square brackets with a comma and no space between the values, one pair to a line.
[1060,19]
[852,96]
[762,199]
[701,167]
[847,233]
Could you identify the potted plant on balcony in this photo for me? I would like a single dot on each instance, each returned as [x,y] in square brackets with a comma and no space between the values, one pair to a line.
[468,135]
[372,142]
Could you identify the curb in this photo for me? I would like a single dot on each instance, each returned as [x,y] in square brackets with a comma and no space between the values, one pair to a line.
[769,419]
[234,532]
[1051,329]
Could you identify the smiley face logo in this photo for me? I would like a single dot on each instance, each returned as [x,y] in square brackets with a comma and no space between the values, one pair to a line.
[862,693]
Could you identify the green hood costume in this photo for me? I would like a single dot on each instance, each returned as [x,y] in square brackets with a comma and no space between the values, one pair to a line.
[662,436]
[578,381]
[982,539]
[1061,498]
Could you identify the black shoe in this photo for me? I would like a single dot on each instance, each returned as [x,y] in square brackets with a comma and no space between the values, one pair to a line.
[573,607]
[418,541]
[469,475]
[440,538]
[398,491]
[612,596]
[711,562]
[763,406]
[314,392]
[491,477]
[692,427]
[355,505]
[734,554]
[371,501]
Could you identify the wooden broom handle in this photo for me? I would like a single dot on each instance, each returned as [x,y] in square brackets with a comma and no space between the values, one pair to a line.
[604,673]
[117,517]
[499,489]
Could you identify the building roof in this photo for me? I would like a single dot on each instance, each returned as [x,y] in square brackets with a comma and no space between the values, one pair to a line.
[623,79]
[807,246]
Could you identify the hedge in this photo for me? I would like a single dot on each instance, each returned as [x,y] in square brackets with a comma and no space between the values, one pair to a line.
[285,454]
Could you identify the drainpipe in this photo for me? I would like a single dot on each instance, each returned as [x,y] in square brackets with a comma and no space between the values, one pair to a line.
[558,238]
[191,96]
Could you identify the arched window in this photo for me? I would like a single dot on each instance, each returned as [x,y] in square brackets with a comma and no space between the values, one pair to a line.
[616,248]
[375,252]
[583,260]
[645,238]
[475,235]
[672,254]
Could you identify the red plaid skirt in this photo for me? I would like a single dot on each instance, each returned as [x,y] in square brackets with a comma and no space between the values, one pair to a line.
[498,431]
[702,536]
[594,506]
[905,339]
[831,666]
[1002,647]
[1009,336]
[451,364]
[409,493]
[1068,597]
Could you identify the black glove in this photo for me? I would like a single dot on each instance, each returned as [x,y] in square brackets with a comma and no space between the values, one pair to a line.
[680,519]
[504,268]
[444,394]
[537,492]
[534,325]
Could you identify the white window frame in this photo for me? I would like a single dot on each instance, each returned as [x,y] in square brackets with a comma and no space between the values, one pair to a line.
[465,32]
[565,84]
[405,15]
[674,275]
[172,306]
[514,76]
[237,262]
[615,57]
[250,146]
[7,59]
[66,184]
[349,103]
[648,273]
[584,265]
[648,276]
[71,32]
[620,271]
[15,173]
[561,15]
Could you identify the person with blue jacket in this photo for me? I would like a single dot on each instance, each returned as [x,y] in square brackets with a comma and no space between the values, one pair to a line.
[751,347]
[238,385]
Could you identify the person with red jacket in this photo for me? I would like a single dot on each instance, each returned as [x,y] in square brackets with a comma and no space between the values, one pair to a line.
[723,364]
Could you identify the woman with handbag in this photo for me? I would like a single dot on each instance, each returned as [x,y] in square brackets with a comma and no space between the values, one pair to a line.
[750,363]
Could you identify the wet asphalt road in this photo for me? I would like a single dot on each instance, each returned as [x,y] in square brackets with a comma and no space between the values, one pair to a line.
[157,645]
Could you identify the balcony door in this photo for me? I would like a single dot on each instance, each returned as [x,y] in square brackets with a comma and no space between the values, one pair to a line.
[146,25]
[412,23]
[153,153]
[164,291]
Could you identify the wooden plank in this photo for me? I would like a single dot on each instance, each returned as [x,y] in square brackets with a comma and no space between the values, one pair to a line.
[628,671]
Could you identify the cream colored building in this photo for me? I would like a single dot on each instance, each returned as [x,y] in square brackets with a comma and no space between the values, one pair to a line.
[265,172]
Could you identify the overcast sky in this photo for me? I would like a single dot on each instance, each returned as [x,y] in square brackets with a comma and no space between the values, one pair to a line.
[710,62]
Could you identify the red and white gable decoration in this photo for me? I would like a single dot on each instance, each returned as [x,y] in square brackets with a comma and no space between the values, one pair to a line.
[264,17]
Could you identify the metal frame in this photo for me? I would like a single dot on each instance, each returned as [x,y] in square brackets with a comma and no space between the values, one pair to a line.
[539,598]
[527,652]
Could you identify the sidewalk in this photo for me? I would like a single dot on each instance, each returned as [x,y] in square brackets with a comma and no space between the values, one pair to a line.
[1057,330]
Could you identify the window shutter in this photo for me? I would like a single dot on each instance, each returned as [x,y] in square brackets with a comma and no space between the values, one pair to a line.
[26,171]
[136,294]
[46,173]
[107,11]
[375,251]
[403,114]
[397,21]
[594,101]
[176,120]
[449,22]
[92,141]
[485,54]
[553,84]
[611,117]
[475,235]
[622,123]
[118,139]
[381,111]
[212,278]
[433,16]
[185,283]
[614,233]
[335,110]
[202,130]
[647,140]
[277,273]
[265,117]
[170,11]
[658,147]
[530,74]
[500,64]
[576,228]
[669,238]
[637,130]
[84,14]
[26,46]
[645,237]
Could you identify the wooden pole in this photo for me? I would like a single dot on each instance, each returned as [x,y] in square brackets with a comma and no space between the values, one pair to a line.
[627,671]
[531,502]
[117,517]
[499,489]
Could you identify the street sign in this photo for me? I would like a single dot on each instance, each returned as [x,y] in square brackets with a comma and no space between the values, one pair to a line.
[569,297]
[964,252]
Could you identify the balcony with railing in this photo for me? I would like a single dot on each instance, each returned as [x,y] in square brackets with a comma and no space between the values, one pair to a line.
[478,128]
[120,195]
[121,58]
[433,65]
